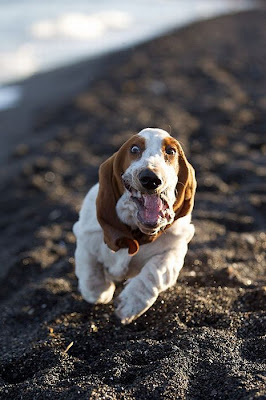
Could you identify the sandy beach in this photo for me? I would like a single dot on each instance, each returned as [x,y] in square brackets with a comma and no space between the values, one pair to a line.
[205,337]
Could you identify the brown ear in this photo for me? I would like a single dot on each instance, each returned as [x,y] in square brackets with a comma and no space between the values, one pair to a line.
[186,186]
[116,234]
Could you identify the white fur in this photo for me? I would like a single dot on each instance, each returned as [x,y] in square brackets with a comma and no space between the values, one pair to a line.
[154,268]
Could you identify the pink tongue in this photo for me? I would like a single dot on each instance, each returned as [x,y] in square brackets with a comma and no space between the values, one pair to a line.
[152,207]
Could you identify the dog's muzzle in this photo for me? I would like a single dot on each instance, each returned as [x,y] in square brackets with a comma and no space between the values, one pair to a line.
[153,210]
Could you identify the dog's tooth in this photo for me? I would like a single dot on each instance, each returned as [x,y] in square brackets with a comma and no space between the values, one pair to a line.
[135,193]
[138,195]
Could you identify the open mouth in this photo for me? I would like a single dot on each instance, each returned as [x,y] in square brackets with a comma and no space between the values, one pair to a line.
[153,209]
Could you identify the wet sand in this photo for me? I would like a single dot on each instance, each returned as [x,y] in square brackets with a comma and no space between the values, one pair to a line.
[203,338]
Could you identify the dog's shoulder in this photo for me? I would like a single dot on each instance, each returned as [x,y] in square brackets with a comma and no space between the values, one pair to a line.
[87,217]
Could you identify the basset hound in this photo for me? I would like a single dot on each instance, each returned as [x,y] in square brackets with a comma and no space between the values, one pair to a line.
[135,224]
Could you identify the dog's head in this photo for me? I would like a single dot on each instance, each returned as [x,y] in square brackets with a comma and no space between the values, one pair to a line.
[158,184]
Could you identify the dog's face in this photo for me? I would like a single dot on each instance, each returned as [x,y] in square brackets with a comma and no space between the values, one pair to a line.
[151,178]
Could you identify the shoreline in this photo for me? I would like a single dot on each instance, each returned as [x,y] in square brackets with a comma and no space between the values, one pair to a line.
[42,94]
[98,31]
[45,92]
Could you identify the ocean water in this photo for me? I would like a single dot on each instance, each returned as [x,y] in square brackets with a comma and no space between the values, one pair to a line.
[38,36]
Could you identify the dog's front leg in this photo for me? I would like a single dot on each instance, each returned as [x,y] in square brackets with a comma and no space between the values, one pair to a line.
[94,285]
[158,274]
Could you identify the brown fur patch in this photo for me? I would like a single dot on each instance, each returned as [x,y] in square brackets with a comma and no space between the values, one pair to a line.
[123,158]
[168,143]
[116,234]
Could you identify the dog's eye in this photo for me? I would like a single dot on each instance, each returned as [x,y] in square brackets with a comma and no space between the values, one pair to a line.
[135,149]
[170,150]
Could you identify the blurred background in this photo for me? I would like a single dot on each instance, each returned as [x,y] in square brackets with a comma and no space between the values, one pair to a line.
[50,51]
[40,36]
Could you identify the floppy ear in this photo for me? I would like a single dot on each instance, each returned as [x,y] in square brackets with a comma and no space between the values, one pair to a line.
[186,186]
[116,234]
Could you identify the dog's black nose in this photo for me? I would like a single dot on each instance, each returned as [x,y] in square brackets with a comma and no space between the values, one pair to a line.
[149,179]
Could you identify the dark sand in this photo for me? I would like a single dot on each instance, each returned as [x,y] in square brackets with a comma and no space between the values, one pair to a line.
[203,338]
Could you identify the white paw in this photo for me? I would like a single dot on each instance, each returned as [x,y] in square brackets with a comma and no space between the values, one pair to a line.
[96,296]
[130,307]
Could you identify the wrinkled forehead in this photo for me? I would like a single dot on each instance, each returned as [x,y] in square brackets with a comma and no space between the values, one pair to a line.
[153,139]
